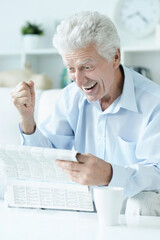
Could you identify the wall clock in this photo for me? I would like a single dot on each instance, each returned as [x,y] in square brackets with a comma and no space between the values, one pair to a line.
[137,18]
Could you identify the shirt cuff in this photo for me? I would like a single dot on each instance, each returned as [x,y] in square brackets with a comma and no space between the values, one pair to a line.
[30,139]
[119,176]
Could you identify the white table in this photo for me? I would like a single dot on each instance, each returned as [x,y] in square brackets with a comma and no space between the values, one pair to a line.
[36,224]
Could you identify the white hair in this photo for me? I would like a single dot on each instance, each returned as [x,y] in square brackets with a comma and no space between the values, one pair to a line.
[85,28]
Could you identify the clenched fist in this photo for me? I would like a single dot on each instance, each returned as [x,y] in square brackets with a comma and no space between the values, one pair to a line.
[23,97]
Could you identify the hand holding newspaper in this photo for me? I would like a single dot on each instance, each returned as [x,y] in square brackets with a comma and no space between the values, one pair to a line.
[35,181]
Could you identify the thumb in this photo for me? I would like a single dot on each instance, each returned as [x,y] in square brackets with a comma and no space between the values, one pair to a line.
[81,158]
[30,84]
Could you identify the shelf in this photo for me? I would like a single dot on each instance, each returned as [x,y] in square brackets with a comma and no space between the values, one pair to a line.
[16,53]
[45,51]
[141,48]
[41,51]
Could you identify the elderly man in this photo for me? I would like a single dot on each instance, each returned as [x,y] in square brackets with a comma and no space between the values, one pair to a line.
[109,114]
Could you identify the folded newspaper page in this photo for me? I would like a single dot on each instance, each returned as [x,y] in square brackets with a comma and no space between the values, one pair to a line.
[35,181]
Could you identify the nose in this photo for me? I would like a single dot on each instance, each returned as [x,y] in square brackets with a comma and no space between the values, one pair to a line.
[79,77]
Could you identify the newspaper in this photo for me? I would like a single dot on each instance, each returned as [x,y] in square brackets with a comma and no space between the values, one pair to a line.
[35,181]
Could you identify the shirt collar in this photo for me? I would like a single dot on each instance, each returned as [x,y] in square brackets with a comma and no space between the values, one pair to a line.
[128,99]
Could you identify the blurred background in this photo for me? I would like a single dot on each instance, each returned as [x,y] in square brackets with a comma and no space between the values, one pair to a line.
[38,60]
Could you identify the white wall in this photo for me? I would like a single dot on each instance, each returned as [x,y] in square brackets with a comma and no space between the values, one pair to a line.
[14,13]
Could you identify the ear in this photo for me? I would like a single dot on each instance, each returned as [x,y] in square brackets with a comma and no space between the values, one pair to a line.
[116,60]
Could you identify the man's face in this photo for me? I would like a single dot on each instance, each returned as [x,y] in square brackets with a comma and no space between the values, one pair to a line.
[91,72]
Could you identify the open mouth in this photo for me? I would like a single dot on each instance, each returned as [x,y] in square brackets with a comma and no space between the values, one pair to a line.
[90,87]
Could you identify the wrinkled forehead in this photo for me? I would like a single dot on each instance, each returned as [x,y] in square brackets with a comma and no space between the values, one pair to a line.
[81,56]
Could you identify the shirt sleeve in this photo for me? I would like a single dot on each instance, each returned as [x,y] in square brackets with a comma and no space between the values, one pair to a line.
[144,175]
[56,130]
[36,139]
[136,178]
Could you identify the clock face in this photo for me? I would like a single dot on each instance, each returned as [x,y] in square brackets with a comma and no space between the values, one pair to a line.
[137,17]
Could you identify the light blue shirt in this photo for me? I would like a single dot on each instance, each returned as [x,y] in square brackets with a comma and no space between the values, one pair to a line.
[126,134]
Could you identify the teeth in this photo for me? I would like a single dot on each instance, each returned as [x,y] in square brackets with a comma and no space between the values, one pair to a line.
[87,88]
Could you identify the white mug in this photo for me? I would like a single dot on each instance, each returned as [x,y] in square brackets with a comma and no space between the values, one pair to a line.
[108,202]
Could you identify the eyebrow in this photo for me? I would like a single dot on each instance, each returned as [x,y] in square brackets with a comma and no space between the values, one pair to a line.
[86,61]
[81,63]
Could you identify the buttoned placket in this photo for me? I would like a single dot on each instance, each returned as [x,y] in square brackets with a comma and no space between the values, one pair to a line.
[102,122]
[103,136]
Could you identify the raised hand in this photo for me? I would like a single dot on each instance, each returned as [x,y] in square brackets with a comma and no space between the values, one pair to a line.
[23,97]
